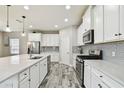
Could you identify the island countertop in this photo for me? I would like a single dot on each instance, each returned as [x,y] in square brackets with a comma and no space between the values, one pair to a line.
[12,65]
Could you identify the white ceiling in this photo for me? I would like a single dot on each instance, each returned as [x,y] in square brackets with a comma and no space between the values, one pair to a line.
[42,17]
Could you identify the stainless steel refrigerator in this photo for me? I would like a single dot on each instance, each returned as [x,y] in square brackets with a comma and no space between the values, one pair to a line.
[34,47]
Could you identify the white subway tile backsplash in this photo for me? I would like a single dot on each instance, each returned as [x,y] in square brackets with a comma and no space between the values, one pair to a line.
[108,48]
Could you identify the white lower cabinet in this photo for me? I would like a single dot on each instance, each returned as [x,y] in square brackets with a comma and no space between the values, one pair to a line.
[28,78]
[94,78]
[100,80]
[34,76]
[24,83]
[24,79]
[10,83]
[43,69]
[87,75]
[96,82]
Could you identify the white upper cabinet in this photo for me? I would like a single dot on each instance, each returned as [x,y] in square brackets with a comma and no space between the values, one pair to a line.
[87,19]
[121,34]
[98,24]
[80,31]
[34,37]
[111,22]
[50,40]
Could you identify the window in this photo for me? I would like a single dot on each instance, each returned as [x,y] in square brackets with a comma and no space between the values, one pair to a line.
[14,46]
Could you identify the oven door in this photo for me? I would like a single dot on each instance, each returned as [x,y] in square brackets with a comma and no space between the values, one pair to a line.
[80,72]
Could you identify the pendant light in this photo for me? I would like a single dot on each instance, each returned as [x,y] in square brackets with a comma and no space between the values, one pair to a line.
[23,32]
[7,26]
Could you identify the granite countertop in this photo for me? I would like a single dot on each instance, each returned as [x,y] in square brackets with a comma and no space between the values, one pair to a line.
[113,70]
[12,65]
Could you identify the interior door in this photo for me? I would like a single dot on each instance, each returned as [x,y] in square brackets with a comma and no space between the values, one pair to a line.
[65,50]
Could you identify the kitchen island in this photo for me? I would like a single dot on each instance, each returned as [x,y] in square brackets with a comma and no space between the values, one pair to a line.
[21,71]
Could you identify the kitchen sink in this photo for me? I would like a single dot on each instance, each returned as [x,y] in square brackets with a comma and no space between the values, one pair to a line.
[36,57]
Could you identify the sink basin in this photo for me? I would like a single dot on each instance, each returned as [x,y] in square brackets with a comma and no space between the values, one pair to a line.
[36,57]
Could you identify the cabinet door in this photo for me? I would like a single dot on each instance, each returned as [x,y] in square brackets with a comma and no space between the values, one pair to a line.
[111,22]
[43,69]
[80,35]
[10,83]
[34,37]
[87,19]
[98,24]
[96,82]
[25,83]
[87,76]
[34,76]
[121,22]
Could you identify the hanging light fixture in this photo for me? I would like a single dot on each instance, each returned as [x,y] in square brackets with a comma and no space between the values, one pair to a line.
[23,32]
[7,26]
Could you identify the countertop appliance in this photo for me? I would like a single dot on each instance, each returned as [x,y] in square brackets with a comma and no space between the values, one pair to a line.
[88,37]
[80,59]
[34,47]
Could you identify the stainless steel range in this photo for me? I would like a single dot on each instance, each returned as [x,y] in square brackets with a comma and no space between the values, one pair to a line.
[93,54]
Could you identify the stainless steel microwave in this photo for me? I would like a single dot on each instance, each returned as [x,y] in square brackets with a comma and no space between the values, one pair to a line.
[88,37]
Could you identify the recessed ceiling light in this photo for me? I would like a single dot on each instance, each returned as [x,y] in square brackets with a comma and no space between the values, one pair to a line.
[26,7]
[67,7]
[55,26]
[66,19]
[30,26]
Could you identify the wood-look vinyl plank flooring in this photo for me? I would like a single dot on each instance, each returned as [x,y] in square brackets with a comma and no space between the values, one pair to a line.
[60,76]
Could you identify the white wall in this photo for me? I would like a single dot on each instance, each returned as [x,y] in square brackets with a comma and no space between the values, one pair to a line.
[1,44]
[22,40]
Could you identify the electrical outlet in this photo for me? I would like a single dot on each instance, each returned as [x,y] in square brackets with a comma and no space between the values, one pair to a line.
[113,53]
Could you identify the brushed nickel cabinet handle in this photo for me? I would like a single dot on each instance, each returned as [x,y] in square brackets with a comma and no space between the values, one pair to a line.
[101,76]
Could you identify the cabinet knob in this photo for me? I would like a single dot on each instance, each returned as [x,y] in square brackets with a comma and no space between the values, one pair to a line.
[116,34]
[119,34]
[101,76]
[99,85]
[29,80]
[25,74]
[44,64]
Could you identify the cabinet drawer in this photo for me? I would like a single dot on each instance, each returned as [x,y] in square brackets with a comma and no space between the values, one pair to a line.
[24,74]
[106,79]
[110,82]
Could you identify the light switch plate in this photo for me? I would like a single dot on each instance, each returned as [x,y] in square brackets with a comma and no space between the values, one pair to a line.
[113,53]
